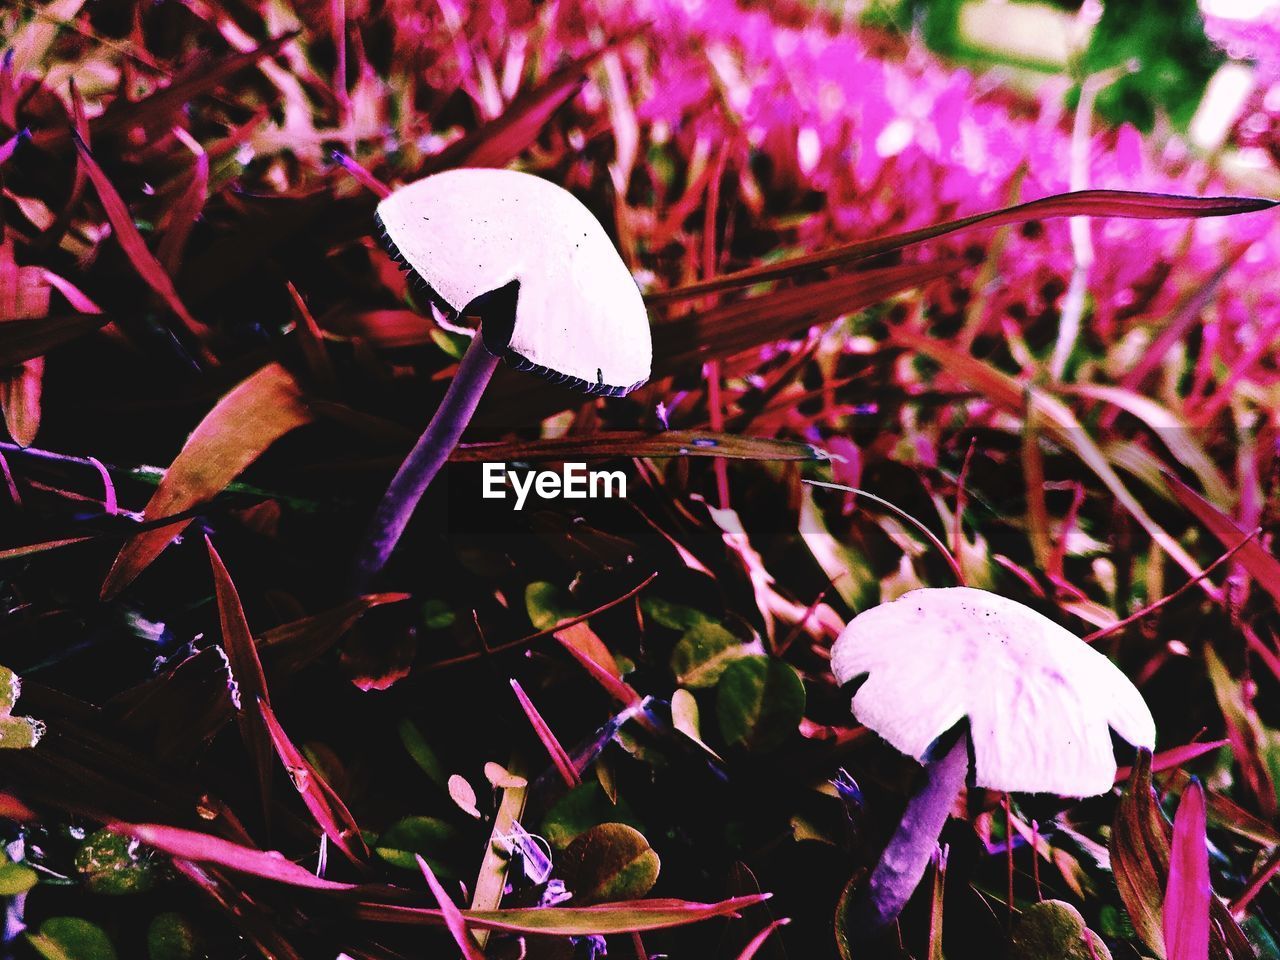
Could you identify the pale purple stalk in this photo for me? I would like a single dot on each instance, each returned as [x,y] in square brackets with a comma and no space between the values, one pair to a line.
[905,859]
[424,462]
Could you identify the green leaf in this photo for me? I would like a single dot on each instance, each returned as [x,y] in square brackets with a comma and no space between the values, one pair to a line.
[16,878]
[171,937]
[436,614]
[10,690]
[114,864]
[70,938]
[1054,930]
[415,836]
[703,653]
[422,754]
[547,605]
[20,733]
[759,702]
[675,616]
[611,861]
[579,810]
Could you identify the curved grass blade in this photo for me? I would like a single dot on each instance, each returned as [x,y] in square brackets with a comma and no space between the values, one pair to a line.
[246,672]
[1100,203]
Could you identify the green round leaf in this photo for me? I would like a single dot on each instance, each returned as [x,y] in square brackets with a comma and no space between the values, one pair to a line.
[114,864]
[759,702]
[672,615]
[171,937]
[703,653]
[422,836]
[547,605]
[1054,930]
[70,938]
[436,614]
[16,878]
[579,810]
[609,862]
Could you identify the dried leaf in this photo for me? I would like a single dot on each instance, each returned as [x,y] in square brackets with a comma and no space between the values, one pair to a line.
[244,423]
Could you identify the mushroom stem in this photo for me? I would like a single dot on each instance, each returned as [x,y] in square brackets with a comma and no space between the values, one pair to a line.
[904,860]
[424,462]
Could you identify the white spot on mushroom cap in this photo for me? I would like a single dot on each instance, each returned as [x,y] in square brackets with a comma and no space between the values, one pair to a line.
[579,312]
[1039,700]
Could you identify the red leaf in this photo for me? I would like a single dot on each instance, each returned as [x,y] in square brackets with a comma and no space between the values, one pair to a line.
[1188,892]
[246,672]
[501,140]
[10,146]
[452,915]
[1175,757]
[1261,565]
[186,209]
[203,848]
[558,755]
[326,807]
[1099,203]
[130,239]
[734,327]
[11,808]
[251,417]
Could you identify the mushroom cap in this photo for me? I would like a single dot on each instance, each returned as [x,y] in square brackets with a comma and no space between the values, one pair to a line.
[579,317]
[1039,700]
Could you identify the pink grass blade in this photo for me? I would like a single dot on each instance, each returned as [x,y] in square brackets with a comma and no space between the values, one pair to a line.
[323,802]
[361,175]
[1175,757]
[135,248]
[452,915]
[186,209]
[617,688]
[203,848]
[246,670]
[755,943]
[1188,891]
[559,757]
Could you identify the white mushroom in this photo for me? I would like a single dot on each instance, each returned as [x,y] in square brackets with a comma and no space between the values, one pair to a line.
[551,293]
[578,315]
[1038,701]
